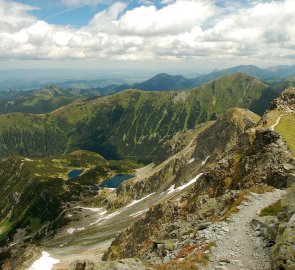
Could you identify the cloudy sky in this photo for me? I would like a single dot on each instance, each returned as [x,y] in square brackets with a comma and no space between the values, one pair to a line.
[189,34]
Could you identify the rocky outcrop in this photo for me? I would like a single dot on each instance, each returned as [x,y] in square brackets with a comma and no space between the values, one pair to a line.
[260,157]
[267,160]
[283,252]
[19,257]
[276,225]
[286,101]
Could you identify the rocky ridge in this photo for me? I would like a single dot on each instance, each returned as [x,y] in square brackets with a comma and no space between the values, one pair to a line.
[202,147]
[258,157]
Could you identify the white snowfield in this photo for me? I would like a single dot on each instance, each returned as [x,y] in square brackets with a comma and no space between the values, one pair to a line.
[71,230]
[45,262]
[137,201]
[191,160]
[107,217]
[139,213]
[173,189]
[204,161]
[99,211]
[92,209]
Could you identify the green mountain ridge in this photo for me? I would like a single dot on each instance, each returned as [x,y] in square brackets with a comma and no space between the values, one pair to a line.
[166,82]
[132,124]
[44,100]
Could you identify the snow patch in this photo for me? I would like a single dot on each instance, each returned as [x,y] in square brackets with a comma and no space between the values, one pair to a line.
[45,262]
[107,217]
[61,245]
[93,209]
[139,213]
[69,215]
[173,189]
[191,160]
[204,161]
[71,230]
[80,229]
[137,201]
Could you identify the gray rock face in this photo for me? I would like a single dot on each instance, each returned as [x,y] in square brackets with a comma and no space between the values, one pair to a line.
[285,101]
[268,159]
[283,252]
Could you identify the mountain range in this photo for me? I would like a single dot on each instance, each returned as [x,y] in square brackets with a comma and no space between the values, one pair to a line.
[130,123]
[160,82]
[166,82]
[52,97]
[196,160]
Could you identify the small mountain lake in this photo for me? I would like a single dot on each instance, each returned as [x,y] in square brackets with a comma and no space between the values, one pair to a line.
[116,180]
[74,173]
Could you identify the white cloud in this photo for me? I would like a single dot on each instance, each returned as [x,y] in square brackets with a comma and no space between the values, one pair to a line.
[146,2]
[14,15]
[71,3]
[174,18]
[180,30]
[107,20]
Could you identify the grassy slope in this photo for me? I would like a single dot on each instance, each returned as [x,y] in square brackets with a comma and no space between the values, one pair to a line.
[128,124]
[286,128]
[44,100]
[34,191]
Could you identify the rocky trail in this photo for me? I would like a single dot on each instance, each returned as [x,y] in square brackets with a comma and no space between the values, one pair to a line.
[238,246]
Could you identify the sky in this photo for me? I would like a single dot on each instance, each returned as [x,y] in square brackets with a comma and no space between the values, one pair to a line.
[196,35]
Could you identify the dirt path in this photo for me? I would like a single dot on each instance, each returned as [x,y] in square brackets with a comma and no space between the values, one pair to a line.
[277,121]
[237,246]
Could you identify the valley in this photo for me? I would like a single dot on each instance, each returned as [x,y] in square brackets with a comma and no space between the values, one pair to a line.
[147,135]
[140,179]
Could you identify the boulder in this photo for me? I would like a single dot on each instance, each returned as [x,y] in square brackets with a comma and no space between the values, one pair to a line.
[266,226]
[263,222]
